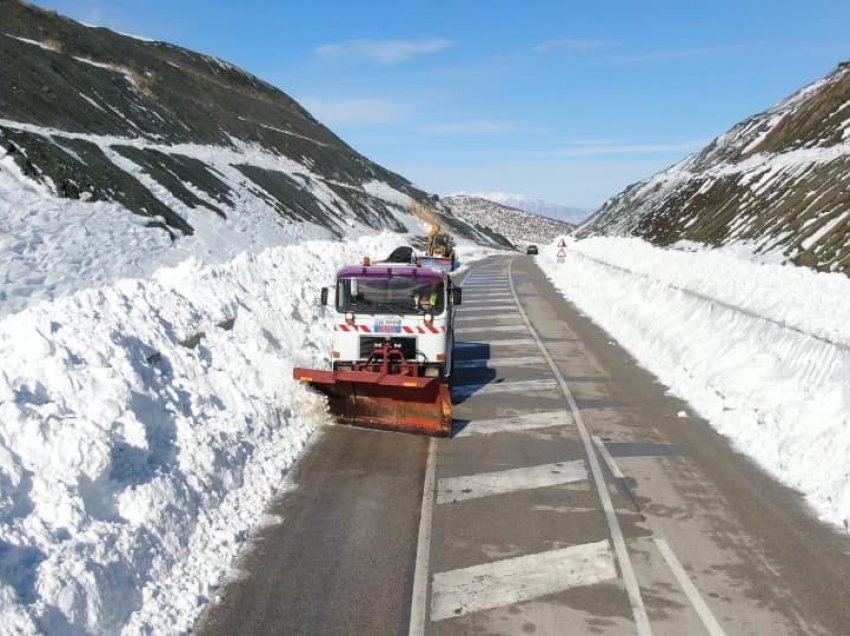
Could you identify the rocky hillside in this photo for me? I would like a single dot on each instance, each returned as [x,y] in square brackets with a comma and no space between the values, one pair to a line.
[779,182]
[567,213]
[520,227]
[179,137]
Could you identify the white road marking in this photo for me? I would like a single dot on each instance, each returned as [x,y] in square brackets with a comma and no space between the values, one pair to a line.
[708,620]
[505,311]
[515,423]
[490,299]
[495,363]
[494,328]
[483,307]
[451,489]
[501,280]
[419,600]
[495,318]
[606,456]
[520,386]
[480,293]
[626,568]
[478,307]
[487,284]
[482,587]
[496,343]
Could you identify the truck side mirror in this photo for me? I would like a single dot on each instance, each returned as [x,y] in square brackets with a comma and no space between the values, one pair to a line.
[457,296]
[324,296]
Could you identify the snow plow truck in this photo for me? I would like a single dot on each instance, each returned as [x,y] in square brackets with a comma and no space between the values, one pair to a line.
[393,347]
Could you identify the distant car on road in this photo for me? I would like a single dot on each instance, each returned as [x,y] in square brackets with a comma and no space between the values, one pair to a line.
[531,249]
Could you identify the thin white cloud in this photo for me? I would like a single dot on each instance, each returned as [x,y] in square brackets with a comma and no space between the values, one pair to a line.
[472,127]
[357,112]
[384,51]
[573,44]
[693,52]
[589,150]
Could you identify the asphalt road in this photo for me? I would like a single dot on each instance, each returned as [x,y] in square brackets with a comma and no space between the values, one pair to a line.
[574,498]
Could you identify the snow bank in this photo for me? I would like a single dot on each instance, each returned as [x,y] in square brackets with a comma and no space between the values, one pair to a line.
[51,247]
[761,350]
[143,427]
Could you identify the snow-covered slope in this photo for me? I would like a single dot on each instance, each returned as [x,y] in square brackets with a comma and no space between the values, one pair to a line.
[778,183]
[536,206]
[180,139]
[144,425]
[520,227]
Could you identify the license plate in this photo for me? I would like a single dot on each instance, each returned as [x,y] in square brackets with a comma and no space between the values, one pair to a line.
[387,326]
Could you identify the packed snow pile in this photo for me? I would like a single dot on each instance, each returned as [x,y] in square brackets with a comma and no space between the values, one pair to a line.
[761,350]
[145,423]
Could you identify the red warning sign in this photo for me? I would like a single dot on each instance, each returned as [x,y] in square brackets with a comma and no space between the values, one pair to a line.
[562,250]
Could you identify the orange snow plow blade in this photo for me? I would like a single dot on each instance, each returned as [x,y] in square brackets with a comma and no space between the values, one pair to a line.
[385,395]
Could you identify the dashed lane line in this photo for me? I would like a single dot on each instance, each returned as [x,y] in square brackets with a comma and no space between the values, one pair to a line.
[491,585]
[516,423]
[453,489]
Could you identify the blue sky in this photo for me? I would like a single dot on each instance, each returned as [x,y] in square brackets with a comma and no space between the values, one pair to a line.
[564,101]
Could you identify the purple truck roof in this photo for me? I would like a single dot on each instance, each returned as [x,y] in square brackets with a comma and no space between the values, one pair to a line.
[385,270]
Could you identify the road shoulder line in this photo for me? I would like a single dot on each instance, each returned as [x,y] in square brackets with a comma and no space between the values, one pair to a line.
[419,599]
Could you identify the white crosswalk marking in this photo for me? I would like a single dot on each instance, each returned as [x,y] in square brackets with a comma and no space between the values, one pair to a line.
[494,299]
[452,489]
[495,343]
[476,307]
[494,328]
[495,318]
[495,363]
[515,423]
[482,587]
[520,386]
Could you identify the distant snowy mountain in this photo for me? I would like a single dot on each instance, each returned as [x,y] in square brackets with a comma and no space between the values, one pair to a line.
[536,206]
[520,227]
[776,183]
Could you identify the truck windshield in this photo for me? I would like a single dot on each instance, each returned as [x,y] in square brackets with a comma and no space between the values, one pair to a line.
[392,295]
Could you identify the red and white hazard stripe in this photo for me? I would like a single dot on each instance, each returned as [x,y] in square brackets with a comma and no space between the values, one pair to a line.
[405,328]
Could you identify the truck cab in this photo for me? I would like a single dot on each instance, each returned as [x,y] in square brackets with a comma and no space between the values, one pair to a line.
[409,306]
